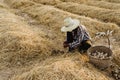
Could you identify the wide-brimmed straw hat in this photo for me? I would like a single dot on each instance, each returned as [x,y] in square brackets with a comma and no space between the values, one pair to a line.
[70,24]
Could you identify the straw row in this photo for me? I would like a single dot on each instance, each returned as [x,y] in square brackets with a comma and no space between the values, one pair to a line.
[90,11]
[97,3]
[114,1]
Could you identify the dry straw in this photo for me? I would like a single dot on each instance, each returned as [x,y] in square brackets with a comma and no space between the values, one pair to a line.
[114,1]
[23,43]
[2,5]
[19,3]
[90,11]
[101,4]
[19,42]
[45,2]
[53,17]
[61,69]
[78,1]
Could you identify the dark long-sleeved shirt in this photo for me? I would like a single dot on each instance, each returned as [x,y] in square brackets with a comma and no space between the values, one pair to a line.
[81,35]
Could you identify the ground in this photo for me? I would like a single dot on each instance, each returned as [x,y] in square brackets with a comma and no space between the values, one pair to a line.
[31,41]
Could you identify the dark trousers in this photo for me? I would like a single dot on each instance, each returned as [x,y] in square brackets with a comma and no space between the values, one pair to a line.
[84,46]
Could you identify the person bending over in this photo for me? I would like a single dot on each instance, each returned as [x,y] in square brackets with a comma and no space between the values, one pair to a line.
[77,35]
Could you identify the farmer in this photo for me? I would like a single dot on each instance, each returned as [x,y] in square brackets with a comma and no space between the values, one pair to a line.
[77,35]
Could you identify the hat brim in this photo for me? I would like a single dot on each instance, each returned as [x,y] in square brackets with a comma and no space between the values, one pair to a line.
[72,27]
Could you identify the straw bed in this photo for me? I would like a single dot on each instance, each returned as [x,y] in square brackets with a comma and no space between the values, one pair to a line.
[18,42]
[60,69]
[90,11]
[44,14]
[114,1]
[101,4]
[31,43]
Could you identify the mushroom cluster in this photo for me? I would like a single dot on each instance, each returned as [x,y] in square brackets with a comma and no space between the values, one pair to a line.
[100,55]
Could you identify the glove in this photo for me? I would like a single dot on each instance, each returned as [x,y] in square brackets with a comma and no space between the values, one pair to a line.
[65,44]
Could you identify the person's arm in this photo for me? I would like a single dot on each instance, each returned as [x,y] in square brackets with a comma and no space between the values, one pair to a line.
[86,34]
[69,39]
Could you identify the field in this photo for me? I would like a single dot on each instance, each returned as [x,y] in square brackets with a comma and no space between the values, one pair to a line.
[31,43]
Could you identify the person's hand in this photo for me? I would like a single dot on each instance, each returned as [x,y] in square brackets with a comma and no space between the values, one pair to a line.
[65,44]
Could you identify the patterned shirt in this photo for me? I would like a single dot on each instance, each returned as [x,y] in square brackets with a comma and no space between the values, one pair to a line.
[81,35]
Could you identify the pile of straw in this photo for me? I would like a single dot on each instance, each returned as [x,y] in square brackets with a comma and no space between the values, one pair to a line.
[18,41]
[62,68]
